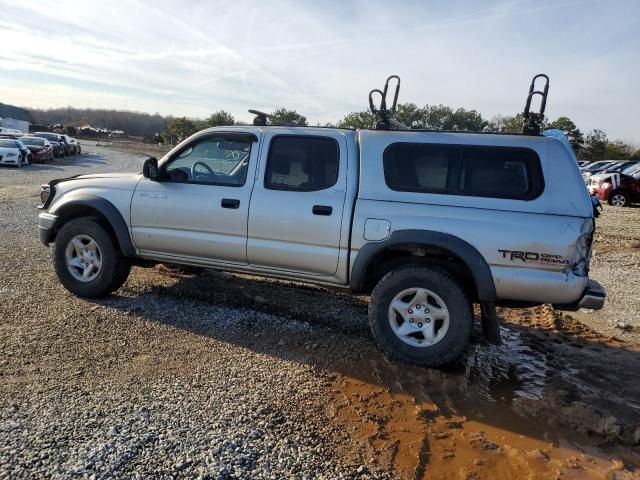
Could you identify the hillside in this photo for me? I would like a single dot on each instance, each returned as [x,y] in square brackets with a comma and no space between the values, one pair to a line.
[10,111]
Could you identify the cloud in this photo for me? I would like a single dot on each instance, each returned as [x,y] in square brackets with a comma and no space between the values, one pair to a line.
[322,58]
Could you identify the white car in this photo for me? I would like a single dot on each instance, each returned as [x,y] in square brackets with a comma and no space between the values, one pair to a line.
[10,154]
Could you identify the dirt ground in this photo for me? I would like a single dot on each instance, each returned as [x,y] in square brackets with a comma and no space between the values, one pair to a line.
[560,398]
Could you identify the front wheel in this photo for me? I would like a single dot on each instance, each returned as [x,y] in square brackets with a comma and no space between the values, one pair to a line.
[20,161]
[619,199]
[88,262]
[420,315]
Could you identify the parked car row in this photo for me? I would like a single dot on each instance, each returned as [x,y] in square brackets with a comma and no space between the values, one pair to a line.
[63,145]
[39,147]
[619,184]
[601,166]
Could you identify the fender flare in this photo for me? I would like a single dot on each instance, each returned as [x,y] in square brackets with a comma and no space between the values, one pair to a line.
[106,209]
[472,258]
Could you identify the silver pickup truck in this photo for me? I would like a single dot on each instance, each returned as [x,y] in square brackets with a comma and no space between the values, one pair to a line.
[427,222]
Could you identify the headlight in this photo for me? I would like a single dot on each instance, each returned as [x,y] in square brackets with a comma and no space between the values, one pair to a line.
[45,193]
[10,154]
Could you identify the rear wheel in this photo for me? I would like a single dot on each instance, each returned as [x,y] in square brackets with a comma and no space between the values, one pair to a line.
[88,262]
[619,199]
[420,315]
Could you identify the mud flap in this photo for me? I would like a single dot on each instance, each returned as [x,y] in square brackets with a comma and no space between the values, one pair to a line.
[490,323]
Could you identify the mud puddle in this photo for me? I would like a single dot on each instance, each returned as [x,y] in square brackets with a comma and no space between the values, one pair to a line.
[518,410]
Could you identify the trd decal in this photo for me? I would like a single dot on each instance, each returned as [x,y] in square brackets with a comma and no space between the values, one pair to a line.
[535,257]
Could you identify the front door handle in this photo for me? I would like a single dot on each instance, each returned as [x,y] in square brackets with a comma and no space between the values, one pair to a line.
[230,203]
[322,210]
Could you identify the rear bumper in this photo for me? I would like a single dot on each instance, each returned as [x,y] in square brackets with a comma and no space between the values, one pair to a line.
[592,298]
[46,221]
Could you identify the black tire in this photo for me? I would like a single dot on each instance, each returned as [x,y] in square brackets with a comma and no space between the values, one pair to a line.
[19,161]
[456,338]
[625,199]
[115,266]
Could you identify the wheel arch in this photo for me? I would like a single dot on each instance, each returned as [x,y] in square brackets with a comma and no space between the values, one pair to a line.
[375,259]
[82,205]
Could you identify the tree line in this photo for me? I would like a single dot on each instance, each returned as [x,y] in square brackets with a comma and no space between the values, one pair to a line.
[132,123]
[593,145]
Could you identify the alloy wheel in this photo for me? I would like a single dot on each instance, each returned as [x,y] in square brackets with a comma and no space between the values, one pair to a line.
[83,258]
[418,317]
[618,200]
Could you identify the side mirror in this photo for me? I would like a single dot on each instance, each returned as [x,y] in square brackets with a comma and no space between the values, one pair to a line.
[150,169]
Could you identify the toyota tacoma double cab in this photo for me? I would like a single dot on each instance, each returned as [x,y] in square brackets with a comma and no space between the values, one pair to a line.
[427,222]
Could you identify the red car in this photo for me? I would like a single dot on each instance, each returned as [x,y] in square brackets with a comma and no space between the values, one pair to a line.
[619,189]
[40,148]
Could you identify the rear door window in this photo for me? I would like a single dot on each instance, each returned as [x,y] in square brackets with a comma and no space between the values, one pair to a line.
[302,163]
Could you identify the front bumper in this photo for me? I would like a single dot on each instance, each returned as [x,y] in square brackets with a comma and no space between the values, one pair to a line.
[592,298]
[46,222]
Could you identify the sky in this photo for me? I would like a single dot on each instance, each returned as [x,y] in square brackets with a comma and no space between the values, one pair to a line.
[321,58]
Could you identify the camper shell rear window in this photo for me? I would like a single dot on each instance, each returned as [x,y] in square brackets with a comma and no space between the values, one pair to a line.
[470,170]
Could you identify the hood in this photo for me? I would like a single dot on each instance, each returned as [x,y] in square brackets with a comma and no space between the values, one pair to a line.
[35,148]
[4,150]
[101,180]
[104,175]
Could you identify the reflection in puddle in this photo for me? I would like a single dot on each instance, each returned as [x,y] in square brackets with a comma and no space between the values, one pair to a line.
[508,371]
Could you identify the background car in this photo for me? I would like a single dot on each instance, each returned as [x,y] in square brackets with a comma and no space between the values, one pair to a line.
[595,181]
[620,189]
[76,145]
[71,145]
[55,141]
[26,153]
[41,149]
[11,154]
[65,145]
[596,167]
[619,166]
[600,164]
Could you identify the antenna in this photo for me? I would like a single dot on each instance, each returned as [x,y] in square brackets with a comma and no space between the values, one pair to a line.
[532,124]
[261,118]
[383,115]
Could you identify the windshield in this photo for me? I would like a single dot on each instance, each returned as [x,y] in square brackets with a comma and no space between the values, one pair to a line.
[635,168]
[32,141]
[613,166]
[48,136]
[8,144]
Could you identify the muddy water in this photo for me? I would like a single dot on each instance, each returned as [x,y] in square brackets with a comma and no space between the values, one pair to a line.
[518,410]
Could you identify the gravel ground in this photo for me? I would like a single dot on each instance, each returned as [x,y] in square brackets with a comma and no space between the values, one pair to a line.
[616,264]
[228,376]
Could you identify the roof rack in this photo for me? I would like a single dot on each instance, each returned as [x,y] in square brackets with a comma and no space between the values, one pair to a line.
[533,121]
[261,118]
[385,116]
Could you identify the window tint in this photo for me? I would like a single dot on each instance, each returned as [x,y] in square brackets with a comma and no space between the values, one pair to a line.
[214,160]
[303,164]
[418,167]
[500,172]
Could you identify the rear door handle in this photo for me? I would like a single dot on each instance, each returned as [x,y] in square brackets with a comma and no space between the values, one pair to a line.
[322,210]
[230,203]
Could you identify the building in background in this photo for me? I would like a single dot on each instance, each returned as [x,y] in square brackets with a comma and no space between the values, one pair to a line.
[10,125]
